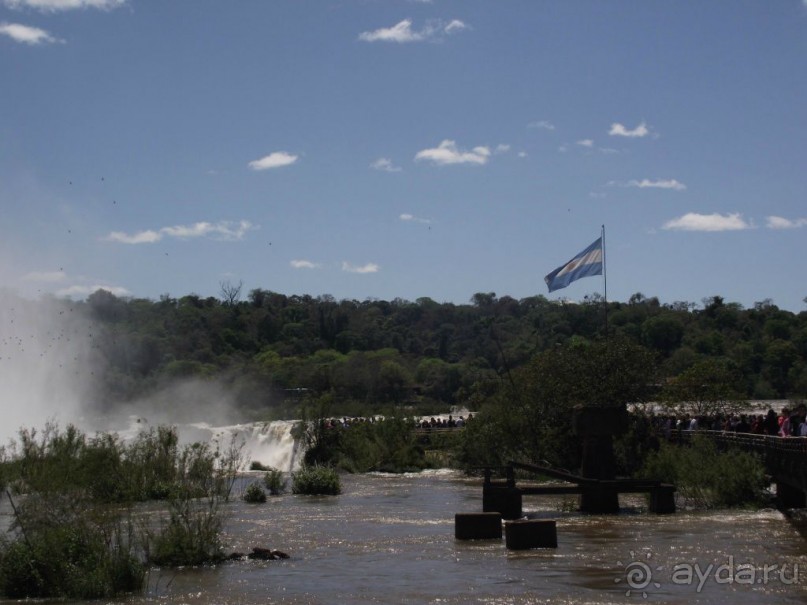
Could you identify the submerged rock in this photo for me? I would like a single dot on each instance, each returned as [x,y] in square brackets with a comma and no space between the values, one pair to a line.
[266,554]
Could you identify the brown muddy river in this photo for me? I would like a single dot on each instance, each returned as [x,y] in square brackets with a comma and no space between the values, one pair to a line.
[390,539]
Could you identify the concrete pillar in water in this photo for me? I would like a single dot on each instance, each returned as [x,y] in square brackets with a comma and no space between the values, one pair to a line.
[503,500]
[599,500]
[596,427]
[662,500]
[789,496]
[530,533]
[478,526]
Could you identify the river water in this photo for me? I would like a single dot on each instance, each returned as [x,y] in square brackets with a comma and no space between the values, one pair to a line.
[390,539]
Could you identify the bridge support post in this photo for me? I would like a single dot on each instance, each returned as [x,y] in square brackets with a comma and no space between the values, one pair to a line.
[789,496]
[504,500]
[596,427]
[599,500]
[662,500]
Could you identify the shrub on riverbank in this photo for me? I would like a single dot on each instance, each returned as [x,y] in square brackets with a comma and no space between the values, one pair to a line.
[385,444]
[707,477]
[274,481]
[316,480]
[153,466]
[190,535]
[254,493]
[72,538]
[64,547]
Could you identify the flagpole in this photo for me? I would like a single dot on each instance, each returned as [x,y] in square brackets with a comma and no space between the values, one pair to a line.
[605,283]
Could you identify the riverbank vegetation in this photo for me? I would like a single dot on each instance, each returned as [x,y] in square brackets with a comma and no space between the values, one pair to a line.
[706,477]
[75,533]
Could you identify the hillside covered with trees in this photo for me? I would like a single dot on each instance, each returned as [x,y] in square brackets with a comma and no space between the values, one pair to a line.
[271,350]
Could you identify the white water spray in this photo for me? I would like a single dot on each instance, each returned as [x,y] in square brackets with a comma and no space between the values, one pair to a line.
[51,367]
[49,357]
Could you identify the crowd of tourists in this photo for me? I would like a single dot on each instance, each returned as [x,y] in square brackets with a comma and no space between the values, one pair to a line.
[424,423]
[445,423]
[787,423]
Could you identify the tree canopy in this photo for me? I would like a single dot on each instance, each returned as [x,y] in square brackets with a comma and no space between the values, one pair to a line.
[270,347]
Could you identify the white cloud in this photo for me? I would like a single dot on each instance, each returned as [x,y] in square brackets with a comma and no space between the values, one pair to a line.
[619,130]
[51,6]
[385,165]
[777,222]
[304,264]
[522,154]
[448,153]
[26,34]
[141,237]
[693,221]
[501,148]
[402,32]
[50,277]
[224,230]
[542,124]
[586,143]
[455,25]
[657,184]
[276,159]
[87,290]
[368,268]
[413,218]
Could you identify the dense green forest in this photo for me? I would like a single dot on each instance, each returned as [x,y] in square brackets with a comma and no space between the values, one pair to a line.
[271,350]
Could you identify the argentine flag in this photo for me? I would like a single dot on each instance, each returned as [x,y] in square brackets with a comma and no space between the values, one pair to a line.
[585,264]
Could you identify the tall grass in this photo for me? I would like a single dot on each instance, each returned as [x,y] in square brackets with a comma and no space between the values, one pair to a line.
[74,534]
[64,546]
[190,534]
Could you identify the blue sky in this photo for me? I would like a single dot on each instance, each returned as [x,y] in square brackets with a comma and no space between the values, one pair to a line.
[401,148]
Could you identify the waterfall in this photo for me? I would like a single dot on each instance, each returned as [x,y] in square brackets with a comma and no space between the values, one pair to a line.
[270,443]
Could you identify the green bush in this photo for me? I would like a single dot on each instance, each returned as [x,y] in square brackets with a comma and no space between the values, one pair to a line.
[274,481]
[313,480]
[69,550]
[190,536]
[152,467]
[254,493]
[388,444]
[73,539]
[706,477]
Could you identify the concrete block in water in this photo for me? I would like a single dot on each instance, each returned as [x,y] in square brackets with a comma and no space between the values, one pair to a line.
[530,533]
[504,500]
[478,526]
